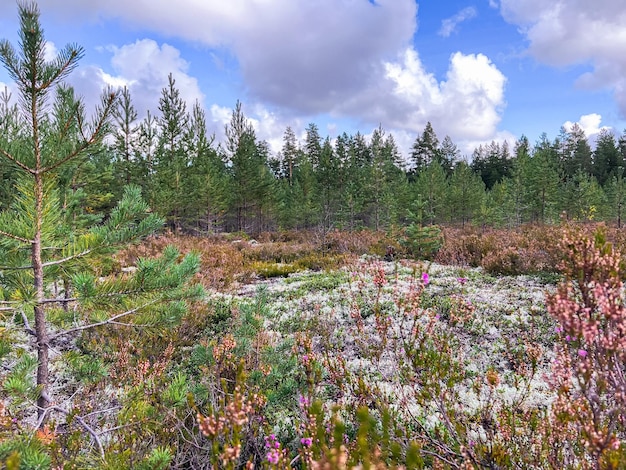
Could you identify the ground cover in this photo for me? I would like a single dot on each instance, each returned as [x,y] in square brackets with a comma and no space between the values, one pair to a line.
[338,355]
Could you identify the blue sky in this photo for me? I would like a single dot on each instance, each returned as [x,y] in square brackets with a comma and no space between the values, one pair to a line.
[479,71]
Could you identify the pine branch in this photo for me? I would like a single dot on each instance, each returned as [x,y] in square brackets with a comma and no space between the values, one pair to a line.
[15,237]
[64,66]
[17,162]
[68,258]
[109,102]
[49,263]
[104,322]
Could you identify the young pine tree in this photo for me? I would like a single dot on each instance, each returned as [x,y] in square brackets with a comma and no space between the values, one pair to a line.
[40,248]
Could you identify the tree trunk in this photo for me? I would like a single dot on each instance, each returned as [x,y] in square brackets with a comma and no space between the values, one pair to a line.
[41,328]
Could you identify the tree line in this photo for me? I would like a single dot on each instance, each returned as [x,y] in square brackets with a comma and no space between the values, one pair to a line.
[350,182]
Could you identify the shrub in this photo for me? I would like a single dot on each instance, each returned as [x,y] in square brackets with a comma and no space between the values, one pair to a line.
[589,370]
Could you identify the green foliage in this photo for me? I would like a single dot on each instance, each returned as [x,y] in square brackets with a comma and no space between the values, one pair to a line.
[85,368]
[19,381]
[159,459]
[24,453]
[422,241]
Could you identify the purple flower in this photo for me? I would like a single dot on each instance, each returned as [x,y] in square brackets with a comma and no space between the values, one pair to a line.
[306,441]
[462,280]
[304,401]
[425,278]
[582,353]
[272,457]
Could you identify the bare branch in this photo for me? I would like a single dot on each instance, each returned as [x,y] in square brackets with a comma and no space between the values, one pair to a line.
[63,260]
[97,412]
[85,426]
[104,322]
[16,268]
[58,301]
[27,326]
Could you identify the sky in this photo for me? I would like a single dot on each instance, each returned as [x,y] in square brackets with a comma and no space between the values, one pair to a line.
[478,71]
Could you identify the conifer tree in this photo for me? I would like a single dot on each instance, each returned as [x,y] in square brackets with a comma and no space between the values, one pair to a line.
[465,195]
[425,149]
[607,160]
[171,160]
[543,181]
[252,180]
[38,246]
[206,186]
[126,136]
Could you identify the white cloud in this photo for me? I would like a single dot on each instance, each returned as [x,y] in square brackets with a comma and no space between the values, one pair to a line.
[449,25]
[466,105]
[143,67]
[589,123]
[50,51]
[570,32]
[299,61]
[291,53]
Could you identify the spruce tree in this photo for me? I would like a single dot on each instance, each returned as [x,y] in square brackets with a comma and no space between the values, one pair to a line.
[39,247]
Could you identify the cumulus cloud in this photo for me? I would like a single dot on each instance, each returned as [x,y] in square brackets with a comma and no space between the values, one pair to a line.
[143,67]
[572,32]
[466,105]
[589,123]
[292,53]
[299,61]
[449,25]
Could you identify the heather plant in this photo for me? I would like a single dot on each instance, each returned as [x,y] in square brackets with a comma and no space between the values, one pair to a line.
[588,369]
[411,373]
[525,250]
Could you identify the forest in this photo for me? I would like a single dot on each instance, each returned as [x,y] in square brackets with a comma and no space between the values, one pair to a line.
[168,301]
[348,183]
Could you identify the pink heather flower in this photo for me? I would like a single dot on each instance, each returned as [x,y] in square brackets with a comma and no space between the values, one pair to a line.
[306,441]
[558,329]
[582,353]
[568,338]
[462,280]
[272,457]
[304,401]
[425,278]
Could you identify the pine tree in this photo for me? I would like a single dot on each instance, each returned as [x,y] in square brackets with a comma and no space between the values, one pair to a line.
[432,186]
[425,149]
[126,136]
[38,247]
[9,130]
[576,152]
[207,186]
[172,160]
[616,195]
[465,195]
[384,180]
[544,179]
[607,160]
[448,154]
[252,180]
